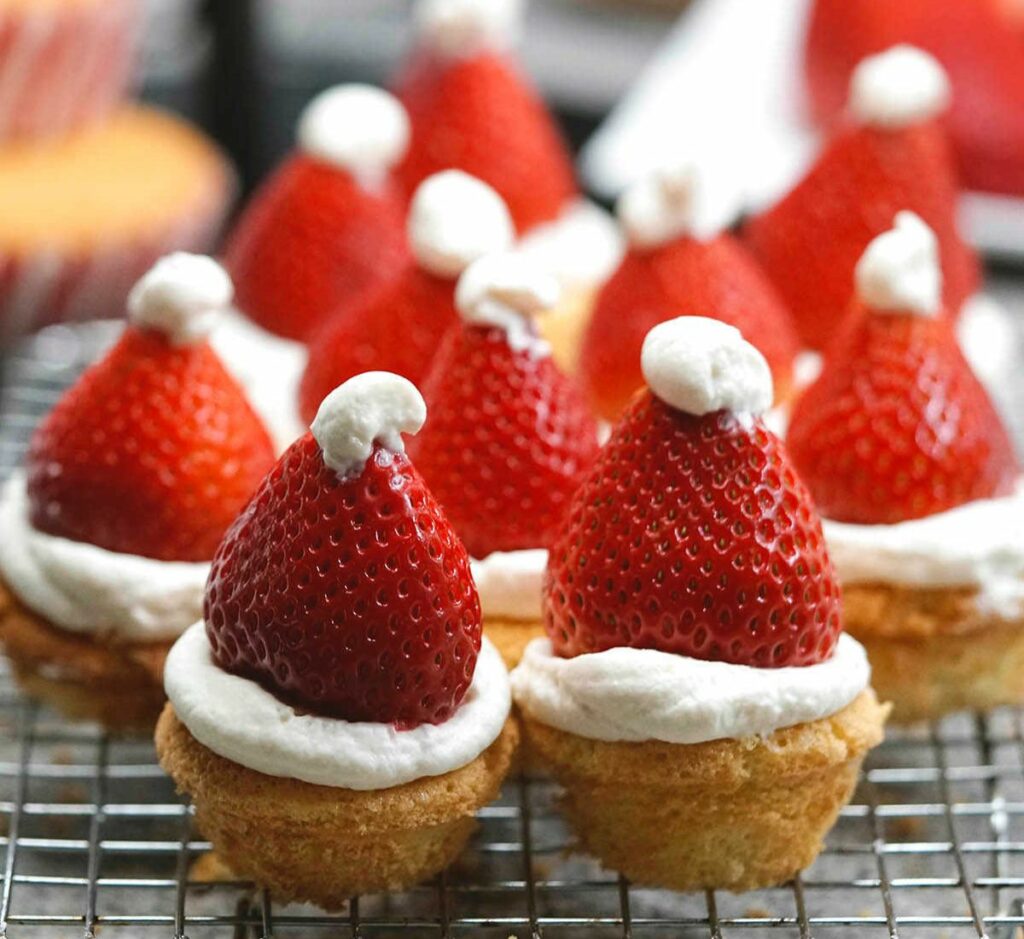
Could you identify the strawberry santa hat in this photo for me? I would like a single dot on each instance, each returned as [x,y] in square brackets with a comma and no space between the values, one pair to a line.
[509,434]
[328,225]
[342,587]
[453,220]
[897,426]
[472,109]
[681,261]
[155,449]
[891,154]
[692,533]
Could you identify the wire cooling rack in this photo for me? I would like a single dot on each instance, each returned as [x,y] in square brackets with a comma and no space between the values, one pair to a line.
[96,840]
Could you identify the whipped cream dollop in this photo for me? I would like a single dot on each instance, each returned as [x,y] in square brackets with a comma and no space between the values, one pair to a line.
[626,694]
[357,128]
[897,88]
[699,365]
[374,407]
[242,721]
[510,583]
[454,219]
[979,545]
[899,271]
[86,589]
[463,28]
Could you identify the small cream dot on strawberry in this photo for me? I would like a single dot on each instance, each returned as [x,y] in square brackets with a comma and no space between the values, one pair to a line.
[181,296]
[507,291]
[898,88]
[375,407]
[455,219]
[358,128]
[700,365]
[899,271]
[456,28]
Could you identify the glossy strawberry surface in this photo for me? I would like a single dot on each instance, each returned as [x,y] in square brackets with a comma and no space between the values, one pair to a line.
[506,441]
[693,535]
[153,452]
[897,426]
[349,598]
[811,241]
[685,277]
[312,241]
[479,114]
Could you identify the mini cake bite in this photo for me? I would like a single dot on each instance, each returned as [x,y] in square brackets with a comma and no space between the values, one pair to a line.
[453,220]
[891,154]
[696,696]
[129,484]
[508,440]
[915,475]
[336,718]
[326,228]
[681,261]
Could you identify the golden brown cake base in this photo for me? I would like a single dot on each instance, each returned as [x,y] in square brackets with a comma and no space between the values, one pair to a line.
[934,652]
[321,844]
[727,814]
[85,678]
[511,636]
[564,325]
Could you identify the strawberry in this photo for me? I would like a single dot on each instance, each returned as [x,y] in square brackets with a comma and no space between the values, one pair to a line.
[897,426]
[326,228]
[693,534]
[976,42]
[472,109]
[155,449]
[342,587]
[509,435]
[453,219]
[871,168]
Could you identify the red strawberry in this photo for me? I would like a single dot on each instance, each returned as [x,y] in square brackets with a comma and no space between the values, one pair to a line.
[977,44]
[327,227]
[452,220]
[810,242]
[693,534]
[156,449]
[897,426]
[342,587]
[678,265]
[509,435]
[472,109]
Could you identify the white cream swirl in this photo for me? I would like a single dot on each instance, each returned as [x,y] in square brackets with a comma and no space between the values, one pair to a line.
[642,694]
[510,583]
[86,589]
[979,545]
[243,722]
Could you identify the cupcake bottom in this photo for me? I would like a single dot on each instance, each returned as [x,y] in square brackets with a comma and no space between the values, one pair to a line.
[120,685]
[511,637]
[934,652]
[727,814]
[321,844]
[564,325]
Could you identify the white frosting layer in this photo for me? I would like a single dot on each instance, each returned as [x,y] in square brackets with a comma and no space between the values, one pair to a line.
[243,722]
[454,219]
[899,270]
[700,365]
[358,128]
[463,28]
[374,407]
[85,589]
[180,296]
[642,694]
[978,545]
[897,88]
[510,583]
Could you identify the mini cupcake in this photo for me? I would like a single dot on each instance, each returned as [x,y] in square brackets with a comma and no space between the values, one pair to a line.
[508,440]
[696,696]
[129,484]
[920,489]
[336,719]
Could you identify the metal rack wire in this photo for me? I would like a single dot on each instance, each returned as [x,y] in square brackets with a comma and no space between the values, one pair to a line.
[94,837]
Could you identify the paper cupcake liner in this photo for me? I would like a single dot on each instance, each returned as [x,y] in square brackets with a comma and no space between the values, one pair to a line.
[62,66]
